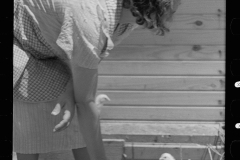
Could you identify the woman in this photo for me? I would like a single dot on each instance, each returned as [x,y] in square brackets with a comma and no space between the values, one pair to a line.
[58,45]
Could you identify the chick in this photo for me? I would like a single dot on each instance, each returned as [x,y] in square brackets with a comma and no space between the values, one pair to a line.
[100,99]
[166,156]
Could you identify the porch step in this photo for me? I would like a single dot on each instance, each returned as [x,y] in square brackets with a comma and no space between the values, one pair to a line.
[180,151]
[147,140]
[162,132]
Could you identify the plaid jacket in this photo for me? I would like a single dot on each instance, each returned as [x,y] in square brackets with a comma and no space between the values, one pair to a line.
[40,73]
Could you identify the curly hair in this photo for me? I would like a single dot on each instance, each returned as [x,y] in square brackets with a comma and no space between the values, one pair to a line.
[151,13]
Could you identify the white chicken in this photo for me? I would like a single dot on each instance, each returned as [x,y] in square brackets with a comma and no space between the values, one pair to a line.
[99,100]
[166,156]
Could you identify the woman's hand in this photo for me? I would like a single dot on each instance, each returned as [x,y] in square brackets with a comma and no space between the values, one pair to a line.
[65,103]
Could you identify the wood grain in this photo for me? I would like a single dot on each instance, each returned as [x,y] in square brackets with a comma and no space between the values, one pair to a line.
[177,37]
[165,97]
[167,113]
[176,68]
[168,52]
[159,83]
[198,21]
[202,7]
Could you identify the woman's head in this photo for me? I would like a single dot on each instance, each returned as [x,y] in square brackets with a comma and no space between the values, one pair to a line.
[152,14]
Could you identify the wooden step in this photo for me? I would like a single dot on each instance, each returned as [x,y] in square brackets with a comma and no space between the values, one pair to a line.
[147,140]
[141,151]
[162,132]
[152,151]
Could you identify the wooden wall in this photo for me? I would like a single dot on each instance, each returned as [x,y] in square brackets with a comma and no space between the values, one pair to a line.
[168,93]
[178,77]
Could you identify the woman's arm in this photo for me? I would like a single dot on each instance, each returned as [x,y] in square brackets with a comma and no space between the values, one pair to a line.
[65,103]
[85,86]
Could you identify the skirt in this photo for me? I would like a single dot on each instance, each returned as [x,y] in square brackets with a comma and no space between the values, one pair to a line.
[33,129]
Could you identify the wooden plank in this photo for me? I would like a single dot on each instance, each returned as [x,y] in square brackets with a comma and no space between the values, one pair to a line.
[197,22]
[200,21]
[165,97]
[163,113]
[161,132]
[198,139]
[162,68]
[167,52]
[177,37]
[152,151]
[156,83]
[113,149]
[202,7]
[160,127]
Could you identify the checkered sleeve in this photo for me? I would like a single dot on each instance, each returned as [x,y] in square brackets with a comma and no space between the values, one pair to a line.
[38,76]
